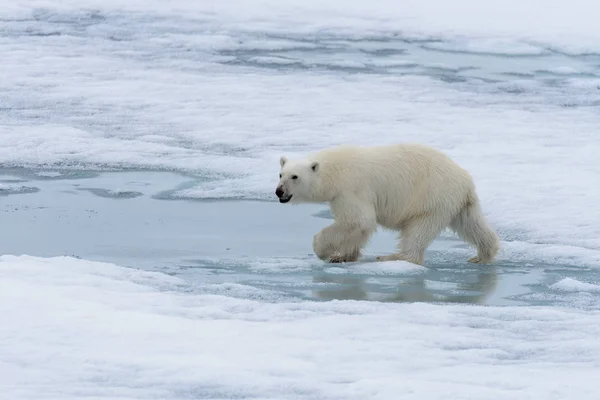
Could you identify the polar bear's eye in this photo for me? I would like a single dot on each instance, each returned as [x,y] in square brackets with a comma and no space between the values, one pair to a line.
[294,176]
[279,176]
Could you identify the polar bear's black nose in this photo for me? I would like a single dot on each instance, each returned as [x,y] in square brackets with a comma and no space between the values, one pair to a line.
[279,192]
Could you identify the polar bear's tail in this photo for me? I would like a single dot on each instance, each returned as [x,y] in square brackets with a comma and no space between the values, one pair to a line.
[471,225]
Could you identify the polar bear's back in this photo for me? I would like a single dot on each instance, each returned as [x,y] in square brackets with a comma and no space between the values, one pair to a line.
[400,180]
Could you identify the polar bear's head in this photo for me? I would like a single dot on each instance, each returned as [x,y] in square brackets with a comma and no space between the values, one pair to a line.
[296,180]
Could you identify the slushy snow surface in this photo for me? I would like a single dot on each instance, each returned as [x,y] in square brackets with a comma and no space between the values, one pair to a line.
[76,329]
[219,90]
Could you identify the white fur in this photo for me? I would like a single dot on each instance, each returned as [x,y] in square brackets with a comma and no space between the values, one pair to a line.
[410,188]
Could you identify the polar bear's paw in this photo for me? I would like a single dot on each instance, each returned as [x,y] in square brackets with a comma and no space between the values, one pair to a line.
[338,258]
[479,260]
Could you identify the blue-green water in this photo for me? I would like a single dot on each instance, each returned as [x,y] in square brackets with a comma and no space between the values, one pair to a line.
[249,249]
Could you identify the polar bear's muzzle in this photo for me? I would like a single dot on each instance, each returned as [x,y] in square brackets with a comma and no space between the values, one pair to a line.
[283,197]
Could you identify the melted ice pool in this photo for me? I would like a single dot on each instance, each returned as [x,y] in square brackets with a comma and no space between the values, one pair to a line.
[259,249]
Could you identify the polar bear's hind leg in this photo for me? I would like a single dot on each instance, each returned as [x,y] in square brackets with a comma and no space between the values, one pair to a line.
[471,225]
[415,237]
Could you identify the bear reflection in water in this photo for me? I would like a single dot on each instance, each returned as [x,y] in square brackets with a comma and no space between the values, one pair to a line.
[473,287]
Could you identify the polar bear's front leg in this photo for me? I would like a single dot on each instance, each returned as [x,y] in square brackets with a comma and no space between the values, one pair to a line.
[323,244]
[343,240]
[340,243]
[331,245]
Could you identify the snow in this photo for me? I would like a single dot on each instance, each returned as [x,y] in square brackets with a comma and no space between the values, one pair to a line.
[15,188]
[573,285]
[281,265]
[568,24]
[378,268]
[73,329]
[490,46]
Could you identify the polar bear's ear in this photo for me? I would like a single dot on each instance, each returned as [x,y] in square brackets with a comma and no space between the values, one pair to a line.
[314,166]
[282,160]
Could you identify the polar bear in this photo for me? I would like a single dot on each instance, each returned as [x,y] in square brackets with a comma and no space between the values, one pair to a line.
[410,188]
